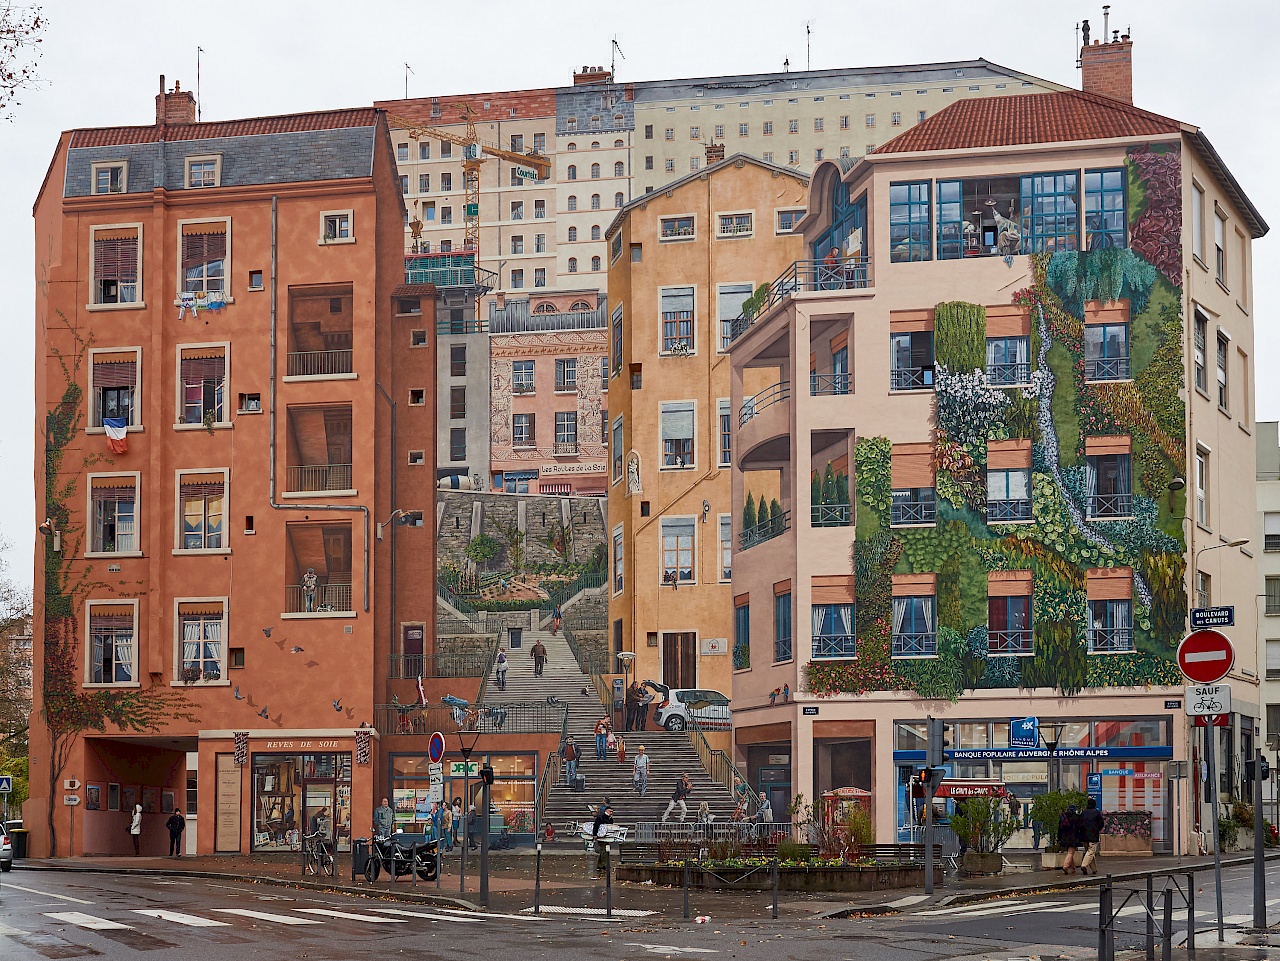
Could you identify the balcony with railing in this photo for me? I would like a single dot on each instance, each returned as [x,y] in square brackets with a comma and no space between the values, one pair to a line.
[915,644]
[1014,642]
[762,401]
[1271,543]
[317,478]
[319,363]
[805,276]
[320,332]
[834,645]
[834,384]
[917,507]
[830,515]
[318,452]
[483,718]
[1107,368]
[1008,375]
[911,378]
[448,271]
[565,448]
[322,599]
[1009,511]
[441,664]
[775,526]
[1110,506]
[459,325]
[1110,640]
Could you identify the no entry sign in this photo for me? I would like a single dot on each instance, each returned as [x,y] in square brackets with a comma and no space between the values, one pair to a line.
[1206,656]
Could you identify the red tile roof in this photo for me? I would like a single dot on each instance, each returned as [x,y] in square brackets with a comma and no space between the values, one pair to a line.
[1062,117]
[288,123]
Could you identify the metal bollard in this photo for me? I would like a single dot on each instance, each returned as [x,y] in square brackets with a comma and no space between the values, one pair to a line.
[537,880]
[1151,919]
[608,883]
[1166,952]
[1103,920]
[1111,931]
[413,863]
[775,888]
[1191,916]
[686,889]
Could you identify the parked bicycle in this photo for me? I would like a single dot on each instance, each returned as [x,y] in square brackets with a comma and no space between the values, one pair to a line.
[317,855]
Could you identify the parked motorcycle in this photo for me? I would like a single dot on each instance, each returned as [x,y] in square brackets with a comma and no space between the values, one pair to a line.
[396,856]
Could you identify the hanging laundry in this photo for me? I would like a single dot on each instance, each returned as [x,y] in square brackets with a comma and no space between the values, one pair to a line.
[117,429]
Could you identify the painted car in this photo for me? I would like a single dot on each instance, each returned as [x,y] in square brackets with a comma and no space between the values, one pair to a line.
[674,707]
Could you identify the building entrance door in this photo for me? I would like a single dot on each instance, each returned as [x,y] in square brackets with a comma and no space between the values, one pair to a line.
[775,782]
[515,636]
[680,659]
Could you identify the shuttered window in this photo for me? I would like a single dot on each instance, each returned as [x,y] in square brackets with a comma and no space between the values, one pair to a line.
[204,257]
[203,374]
[115,266]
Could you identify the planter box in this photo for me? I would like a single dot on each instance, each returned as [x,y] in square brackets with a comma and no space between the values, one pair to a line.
[974,864]
[1052,860]
[843,878]
[1125,844]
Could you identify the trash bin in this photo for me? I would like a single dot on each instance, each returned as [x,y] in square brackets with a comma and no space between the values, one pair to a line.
[359,856]
[18,838]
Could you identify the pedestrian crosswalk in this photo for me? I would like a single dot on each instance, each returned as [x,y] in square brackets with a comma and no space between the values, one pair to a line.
[1010,907]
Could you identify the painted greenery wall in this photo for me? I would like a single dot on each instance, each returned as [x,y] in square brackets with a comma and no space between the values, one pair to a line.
[1057,413]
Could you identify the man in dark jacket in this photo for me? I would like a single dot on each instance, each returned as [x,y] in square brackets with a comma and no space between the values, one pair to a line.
[603,817]
[176,825]
[1091,824]
[679,797]
[1070,831]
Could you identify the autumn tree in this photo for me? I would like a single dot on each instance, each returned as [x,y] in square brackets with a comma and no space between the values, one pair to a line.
[21,33]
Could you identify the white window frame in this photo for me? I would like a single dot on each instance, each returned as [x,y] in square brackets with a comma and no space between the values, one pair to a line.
[178,404]
[1197,223]
[693,441]
[202,159]
[617,453]
[178,549]
[1203,484]
[617,559]
[693,323]
[692,520]
[724,407]
[91,520]
[228,271]
[735,233]
[89,605]
[682,237]
[777,220]
[723,546]
[140,303]
[350,216]
[93,392]
[122,165]
[721,347]
[224,680]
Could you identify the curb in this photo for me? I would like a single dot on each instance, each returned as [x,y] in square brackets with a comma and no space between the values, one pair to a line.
[385,894]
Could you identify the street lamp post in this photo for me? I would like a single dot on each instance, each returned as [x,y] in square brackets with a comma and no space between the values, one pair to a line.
[626,657]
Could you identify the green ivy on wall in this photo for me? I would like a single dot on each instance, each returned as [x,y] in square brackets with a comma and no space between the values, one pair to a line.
[960,336]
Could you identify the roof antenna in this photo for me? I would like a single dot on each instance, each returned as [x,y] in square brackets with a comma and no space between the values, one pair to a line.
[786,65]
[407,70]
[808,61]
[614,52]
[199,109]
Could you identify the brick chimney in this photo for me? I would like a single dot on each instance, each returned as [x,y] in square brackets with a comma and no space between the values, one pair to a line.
[176,106]
[591,75]
[715,153]
[1106,68]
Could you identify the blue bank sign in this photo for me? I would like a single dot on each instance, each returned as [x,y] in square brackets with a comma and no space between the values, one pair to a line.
[1024,732]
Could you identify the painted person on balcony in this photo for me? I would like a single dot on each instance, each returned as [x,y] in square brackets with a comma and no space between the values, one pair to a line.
[640,772]
[831,273]
[309,582]
[539,654]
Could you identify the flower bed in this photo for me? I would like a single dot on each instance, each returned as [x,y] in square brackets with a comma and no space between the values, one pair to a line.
[756,874]
[1126,832]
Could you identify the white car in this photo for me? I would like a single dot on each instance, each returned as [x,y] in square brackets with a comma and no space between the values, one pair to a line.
[6,848]
[674,707]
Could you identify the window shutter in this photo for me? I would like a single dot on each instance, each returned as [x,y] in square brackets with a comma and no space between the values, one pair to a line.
[677,300]
[1271,524]
[202,365]
[677,422]
[110,622]
[912,466]
[1273,656]
[731,298]
[1109,583]
[122,373]
[201,485]
[200,246]
[108,494]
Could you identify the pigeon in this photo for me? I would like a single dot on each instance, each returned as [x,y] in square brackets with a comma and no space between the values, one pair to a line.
[266,631]
[337,705]
[263,712]
[295,649]
[585,693]
[552,699]
[238,695]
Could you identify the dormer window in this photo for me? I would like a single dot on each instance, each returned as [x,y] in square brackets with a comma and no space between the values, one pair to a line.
[204,171]
[110,178]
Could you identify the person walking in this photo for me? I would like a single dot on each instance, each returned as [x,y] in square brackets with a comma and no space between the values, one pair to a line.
[135,829]
[457,820]
[472,819]
[176,825]
[570,755]
[384,820]
[1091,823]
[539,654]
[640,771]
[500,669]
[642,709]
[622,751]
[632,706]
[604,817]
[679,796]
[765,814]
[435,821]
[1070,831]
[556,620]
[446,826]
[602,737]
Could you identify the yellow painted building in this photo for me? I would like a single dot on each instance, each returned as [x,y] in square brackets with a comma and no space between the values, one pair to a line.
[681,262]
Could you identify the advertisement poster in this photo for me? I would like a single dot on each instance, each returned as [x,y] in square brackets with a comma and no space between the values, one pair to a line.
[129,797]
[93,797]
[148,800]
[424,804]
[405,803]
[113,797]
[166,802]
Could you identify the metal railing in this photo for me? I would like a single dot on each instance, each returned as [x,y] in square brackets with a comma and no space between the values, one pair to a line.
[450,326]
[1110,640]
[326,598]
[450,270]
[441,664]
[551,769]
[1012,510]
[522,389]
[835,645]
[770,529]
[734,230]
[830,515]
[592,663]
[911,378]
[1154,912]
[920,644]
[318,477]
[720,767]
[1271,542]
[319,363]
[565,447]
[671,232]
[913,512]
[584,581]
[1004,375]
[1108,368]
[1010,642]
[1110,505]
[766,398]
[478,719]
[828,385]
[853,273]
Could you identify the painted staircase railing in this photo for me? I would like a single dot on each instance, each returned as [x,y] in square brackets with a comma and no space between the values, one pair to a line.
[594,665]
[550,777]
[720,767]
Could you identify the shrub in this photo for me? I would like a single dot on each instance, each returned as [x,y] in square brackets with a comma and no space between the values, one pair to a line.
[483,548]
[984,823]
[749,513]
[1228,832]
[1242,813]
[789,850]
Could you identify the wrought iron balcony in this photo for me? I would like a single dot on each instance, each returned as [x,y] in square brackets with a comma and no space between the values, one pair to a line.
[1110,640]
[318,478]
[766,398]
[828,385]
[564,448]
[1010,642]
[853,273]
[911,378]
[327,598]
[1107,368]
[835,645]
[915,645]
[449,326]
[1106,506]
[1004,375]
[765,531]
[319,363]
[830,515]
[913,512]
[1009,511]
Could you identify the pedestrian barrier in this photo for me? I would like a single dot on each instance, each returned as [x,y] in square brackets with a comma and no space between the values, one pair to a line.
[1158,928]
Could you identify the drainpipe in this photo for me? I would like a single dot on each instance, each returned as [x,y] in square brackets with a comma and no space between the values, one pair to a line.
[271,477]
[392,635]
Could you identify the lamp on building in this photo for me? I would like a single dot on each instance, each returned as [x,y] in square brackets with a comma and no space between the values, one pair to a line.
[706,509]
[49,529]
[1237,542]
[403,518]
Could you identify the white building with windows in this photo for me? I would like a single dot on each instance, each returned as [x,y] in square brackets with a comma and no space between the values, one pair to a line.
[1268,485]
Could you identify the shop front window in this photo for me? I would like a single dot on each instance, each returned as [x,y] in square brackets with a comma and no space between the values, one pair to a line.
[295,794]
[512,797]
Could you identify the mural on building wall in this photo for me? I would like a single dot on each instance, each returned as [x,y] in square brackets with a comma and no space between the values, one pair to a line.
[1058,540]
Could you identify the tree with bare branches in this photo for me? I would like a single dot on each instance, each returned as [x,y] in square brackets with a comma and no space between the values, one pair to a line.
[21,33]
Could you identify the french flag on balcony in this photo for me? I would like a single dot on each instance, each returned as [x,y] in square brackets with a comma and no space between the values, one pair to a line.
[117,429]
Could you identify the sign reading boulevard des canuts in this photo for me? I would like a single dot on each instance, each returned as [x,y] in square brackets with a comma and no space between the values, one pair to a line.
[1224,616]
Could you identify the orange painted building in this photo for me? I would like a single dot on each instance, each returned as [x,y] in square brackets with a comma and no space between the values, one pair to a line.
[225,360]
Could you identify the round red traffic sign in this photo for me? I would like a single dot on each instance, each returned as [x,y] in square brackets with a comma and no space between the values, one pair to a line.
[435,747]
[1206,656]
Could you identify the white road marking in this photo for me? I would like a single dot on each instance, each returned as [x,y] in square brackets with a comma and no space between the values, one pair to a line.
[88,921]
[962,907]
[583,912]
[433,917]
[908,901]
[489,914]
[1238,919]
[989,911]
[48,894]
[177,917]
[264,916]
[8,931]
[370,918]
[1071,907]
[671,949]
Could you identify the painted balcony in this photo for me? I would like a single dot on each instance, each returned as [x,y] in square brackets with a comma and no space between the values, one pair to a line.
[805,276]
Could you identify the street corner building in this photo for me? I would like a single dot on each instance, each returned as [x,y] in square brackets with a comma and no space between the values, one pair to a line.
[223,338]
[987,431]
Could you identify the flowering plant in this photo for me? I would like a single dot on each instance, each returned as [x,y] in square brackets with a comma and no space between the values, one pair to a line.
[1128,824]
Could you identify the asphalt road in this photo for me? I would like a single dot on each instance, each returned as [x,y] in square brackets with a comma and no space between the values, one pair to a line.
[70,915]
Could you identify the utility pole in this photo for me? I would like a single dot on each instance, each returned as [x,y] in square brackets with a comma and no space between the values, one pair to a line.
[1211,795]
[1259,854]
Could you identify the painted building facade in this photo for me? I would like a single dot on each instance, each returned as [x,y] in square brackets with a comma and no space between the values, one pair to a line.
[1267,535]
[1022,323]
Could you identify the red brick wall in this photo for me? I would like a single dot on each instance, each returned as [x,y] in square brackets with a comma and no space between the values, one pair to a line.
[1107,69]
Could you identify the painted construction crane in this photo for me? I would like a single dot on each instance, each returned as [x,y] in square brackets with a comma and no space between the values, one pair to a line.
[474,153]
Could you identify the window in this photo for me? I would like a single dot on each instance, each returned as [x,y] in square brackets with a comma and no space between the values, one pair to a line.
[1271,531]
[114,501]
[911,360]
[871,121]
[573,234]
[619,200]
[204,257]
[648,162]
[731,298]
[817,153]
[417,458]
[637,253]
[617,559]
[446,217]
[110,178]
[517,143]
[424,150]
[677,228]
[1050,222]
[1110,626]
[566,432]
[669,166]
[793,156]
[572,202]
[200,629]
[424,183]
[793,126]
[523,433]
[539,143]
[1220,246]
[115,379]
[1204,589]
[782,627]
[404,183]
[573,265]
[429,214]
[255,280]
[595,171]
[1224,395]
[744,130]
[539,210]
[676,305]
[616,338]
[595,201]
[539,243]
[741,633]
[204,171]
[1202,489]
[1104,209]
[719,127]
[921,114]
[767,128]
[1106,352]
[913,505]
[677,550]
[417,397]
[648,131]
[201,384]
[457,403]
[735,225]
[446,181]
[909,226]
[522,376]
[1009,360]
[896,119]
[457,444]
[566,373]
[676,419]
[726,548]
[539,276]
[446,245]
[619,169]
[1197,221]
[402,152]
[726,434]
[572,172]
[335,227]
[595,232]
[595,263]
[111,640]
[1008,494]
[1201,339]
[615,449]
[1109,487]
[787,220]
[200,498]
[1273,595]
[952,225]
[669,133]
[517,243]
[1009,626]
[832,628]
[517,210]
[695,133]
[914,631]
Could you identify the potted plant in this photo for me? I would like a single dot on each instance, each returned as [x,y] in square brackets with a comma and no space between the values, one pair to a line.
[984,824]
[1047,810]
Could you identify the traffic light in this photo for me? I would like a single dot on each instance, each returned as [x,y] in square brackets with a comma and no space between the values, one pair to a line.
[486,774]
[936,753]
[1249,765]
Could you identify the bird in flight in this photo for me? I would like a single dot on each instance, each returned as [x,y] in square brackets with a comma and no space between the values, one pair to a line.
[266,631]
[263,712]
[337,705]
[238,695]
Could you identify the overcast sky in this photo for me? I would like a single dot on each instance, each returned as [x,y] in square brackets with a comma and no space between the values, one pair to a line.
[1209,64]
